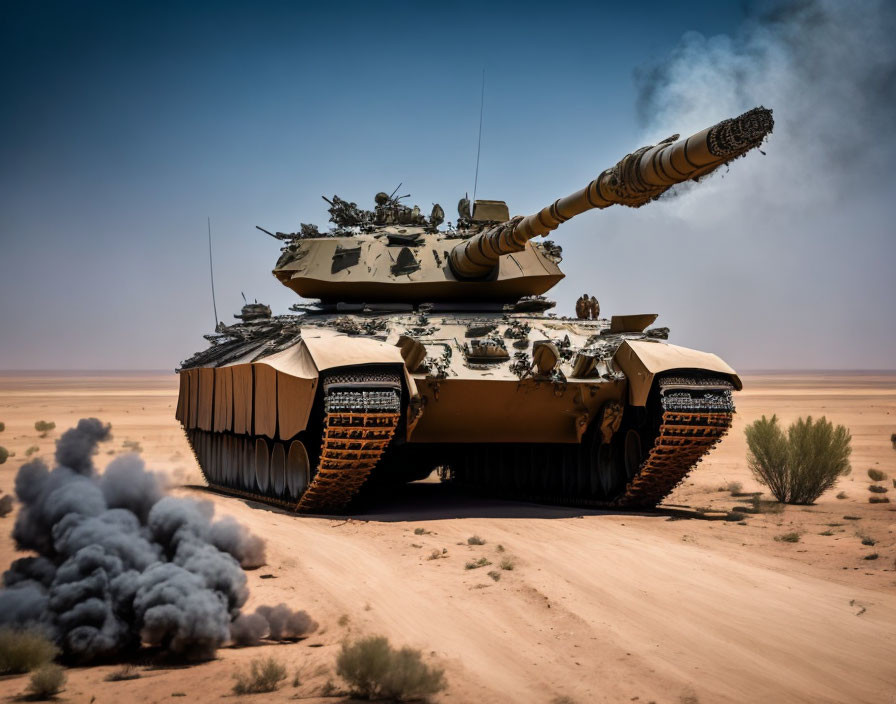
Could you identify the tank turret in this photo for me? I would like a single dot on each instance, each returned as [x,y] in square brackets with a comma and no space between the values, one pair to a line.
[396,254]
[638,178]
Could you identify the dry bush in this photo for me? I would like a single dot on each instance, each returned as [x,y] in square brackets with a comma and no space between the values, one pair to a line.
[24,650]
[802,464]
[872,556]
[842,495]
[6,502]
[868,540]
[876,475]
[44,427]
[46,682]
[126,672]
[33,450]
[4,454]
[420,531]
[3,427]
[734,488]
[878,500]
[265,675]
[475,540]
[877,489]
[507,563]
[475,564]
[827,532]
[495,575]
[375,670]
[792,537]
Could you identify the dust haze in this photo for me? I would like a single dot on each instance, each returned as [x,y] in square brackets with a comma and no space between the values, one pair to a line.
[783,260]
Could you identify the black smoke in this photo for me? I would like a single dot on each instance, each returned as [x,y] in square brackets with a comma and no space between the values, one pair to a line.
[120,564]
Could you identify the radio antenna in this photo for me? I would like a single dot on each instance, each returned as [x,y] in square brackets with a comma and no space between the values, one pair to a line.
[211,271]
[479,142]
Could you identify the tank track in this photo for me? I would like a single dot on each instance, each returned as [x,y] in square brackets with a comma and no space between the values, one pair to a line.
[690,415]
[361,409]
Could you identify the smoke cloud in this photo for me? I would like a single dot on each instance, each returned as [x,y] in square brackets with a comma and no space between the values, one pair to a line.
[119,564]
[803,233]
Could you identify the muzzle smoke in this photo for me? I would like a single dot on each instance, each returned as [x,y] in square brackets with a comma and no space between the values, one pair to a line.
[119,564]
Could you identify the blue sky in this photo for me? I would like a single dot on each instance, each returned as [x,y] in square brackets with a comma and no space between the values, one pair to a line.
[124,125]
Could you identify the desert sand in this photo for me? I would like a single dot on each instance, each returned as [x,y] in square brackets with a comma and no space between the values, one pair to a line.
[599,607]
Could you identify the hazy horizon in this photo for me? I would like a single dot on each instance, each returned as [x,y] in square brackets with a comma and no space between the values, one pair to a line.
[126,126]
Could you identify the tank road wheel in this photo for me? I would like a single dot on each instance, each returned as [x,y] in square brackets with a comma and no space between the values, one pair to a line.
[278,469]
[262,464]
[298,469]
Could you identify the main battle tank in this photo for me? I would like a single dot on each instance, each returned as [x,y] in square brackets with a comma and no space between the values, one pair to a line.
[430,347]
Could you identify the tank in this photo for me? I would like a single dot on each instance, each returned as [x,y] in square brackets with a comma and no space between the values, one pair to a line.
[425,346]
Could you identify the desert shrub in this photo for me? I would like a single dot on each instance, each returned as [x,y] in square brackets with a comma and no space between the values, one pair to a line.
[265,675]
[500,548]
[4,454]
[126,672]
[877,489]
[734,488]
[33,450]
[852,518]
[792,537]
[5,505]
[375,670]
[343,620]
[507,563]
[842,495]
[878,500]
[827,532]
[802,464]
[475,540]
[44,427]
[46,682]
[495,575]
[867,540]
[475,564]
[872,556]
[24,650]
[876,475]
[3,427]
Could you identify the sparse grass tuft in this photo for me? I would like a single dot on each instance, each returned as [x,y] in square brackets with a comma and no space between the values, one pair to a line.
[126,672]
[499,548]
[421,531]
[868,540]
[792,537]
[826,532]
[476,564]
[842,495]
[376,670]
[507,563]
[802,464]
[436,554]
[876,475]
[46,682]
[343,620]
[475,540]
[877,489]
[24,650]
[33,450]
[734,488]
[44,427]
[872,556]
[265,675]
[495,575]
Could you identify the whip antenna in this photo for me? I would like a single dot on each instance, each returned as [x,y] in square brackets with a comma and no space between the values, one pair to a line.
[211,271]
[479,142]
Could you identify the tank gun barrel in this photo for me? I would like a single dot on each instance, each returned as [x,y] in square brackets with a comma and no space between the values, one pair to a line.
[638,178]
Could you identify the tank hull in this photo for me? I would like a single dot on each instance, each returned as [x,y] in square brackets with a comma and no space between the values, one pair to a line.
[309,422]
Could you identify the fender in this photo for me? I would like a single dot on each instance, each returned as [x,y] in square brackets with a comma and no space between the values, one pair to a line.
[275,393]
[641,361]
